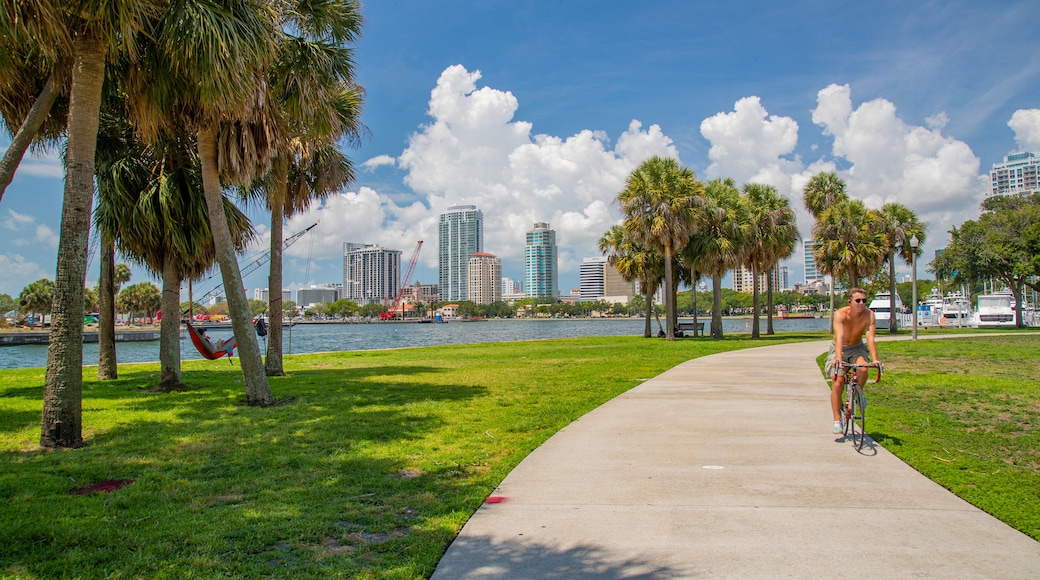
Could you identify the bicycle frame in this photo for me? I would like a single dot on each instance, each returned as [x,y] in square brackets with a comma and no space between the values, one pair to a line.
[854,410]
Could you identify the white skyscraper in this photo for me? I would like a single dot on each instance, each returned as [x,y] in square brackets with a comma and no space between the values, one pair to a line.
[371,274]
[460,235]
[540,271]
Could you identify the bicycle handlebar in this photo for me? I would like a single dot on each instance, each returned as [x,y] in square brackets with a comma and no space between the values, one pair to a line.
[853,366]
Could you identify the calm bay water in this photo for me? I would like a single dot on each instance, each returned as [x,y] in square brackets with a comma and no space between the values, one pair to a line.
[309,338]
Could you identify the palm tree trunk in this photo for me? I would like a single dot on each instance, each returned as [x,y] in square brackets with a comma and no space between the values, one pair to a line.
[892,291]
[716,308]
[669,332]
[693,297]
[170,329]
[648,329]
[30,127]
[258,391]
[108,368]
[769,304]
[62,421]
[754,303]
[273,365]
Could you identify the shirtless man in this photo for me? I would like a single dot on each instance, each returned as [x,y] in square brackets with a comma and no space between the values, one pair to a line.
[850,324]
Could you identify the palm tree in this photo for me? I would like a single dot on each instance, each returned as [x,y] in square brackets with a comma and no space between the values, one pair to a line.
[205,71]
[34,39]
[899,224]
[659,203]
[719,244]
[151,203]
[36,298]
[634,263]
[852,241]
[317,105]
[773,232]
[821,192]
[85,34]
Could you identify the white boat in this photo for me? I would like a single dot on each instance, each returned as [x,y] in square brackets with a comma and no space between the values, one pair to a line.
[882,307]
[930,311]
[956,310]
[995,310]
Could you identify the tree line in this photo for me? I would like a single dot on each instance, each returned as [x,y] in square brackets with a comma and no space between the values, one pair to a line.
[676,229]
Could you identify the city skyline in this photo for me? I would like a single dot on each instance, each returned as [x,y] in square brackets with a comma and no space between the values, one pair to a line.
[538,112]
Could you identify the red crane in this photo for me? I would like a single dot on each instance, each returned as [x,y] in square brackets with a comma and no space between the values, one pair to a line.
[392,312]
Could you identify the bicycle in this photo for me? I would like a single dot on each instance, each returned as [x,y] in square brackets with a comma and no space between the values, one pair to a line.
[854,411]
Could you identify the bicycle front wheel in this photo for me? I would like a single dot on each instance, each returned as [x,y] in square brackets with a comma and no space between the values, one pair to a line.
[858,421]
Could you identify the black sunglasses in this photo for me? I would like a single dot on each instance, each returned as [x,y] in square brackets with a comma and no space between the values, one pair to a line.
[860,300]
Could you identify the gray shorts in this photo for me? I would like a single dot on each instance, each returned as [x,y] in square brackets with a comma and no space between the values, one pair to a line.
[849,354]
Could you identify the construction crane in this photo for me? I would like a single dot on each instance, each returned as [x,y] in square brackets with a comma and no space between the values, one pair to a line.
[255,264]
[392,312]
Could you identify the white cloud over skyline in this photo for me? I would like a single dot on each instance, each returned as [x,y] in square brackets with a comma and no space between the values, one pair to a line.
[475,151]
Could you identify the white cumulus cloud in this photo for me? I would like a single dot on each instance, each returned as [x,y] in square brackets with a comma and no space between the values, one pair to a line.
[1026,125]
[474,151]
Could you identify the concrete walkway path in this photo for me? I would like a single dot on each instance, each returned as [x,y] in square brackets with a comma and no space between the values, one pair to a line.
[725,467]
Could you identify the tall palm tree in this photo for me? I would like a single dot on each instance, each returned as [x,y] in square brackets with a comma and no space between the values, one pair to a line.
[659,202]
[900,224]
[151,203]
[852,241]
[206,72]
[108,368]
[821,192]
[719,244]
[772,234]
[634,263]
[99,29]
[317,104]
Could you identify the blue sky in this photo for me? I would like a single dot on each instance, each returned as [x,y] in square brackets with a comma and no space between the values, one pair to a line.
[536,111]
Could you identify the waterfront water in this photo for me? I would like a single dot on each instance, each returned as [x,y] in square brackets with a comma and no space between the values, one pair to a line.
[309,338]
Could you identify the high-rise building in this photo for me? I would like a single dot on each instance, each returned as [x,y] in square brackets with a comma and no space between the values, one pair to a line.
[812,273]
[371,274]
[600,279]
[540,270]
[743,280]
[1016,176]
[485,278]
[460,234]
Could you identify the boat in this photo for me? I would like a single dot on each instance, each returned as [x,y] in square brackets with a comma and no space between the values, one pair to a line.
[882,307]
[956,310]
[930,311]
[995,310]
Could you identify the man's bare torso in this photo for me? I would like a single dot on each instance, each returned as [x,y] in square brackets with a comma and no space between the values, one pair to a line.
[853,326]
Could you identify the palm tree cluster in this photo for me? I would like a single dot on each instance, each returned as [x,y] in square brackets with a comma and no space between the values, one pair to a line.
[854,241]
[676,229]
[172,103]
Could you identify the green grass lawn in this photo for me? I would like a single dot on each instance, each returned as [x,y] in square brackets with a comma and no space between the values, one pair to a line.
[380,457]
[368,472]
[966,413]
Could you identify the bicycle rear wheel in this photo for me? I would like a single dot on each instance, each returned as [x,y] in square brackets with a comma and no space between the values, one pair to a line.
[858,421]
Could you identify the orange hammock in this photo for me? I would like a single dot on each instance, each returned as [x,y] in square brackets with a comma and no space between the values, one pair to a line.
[206,347]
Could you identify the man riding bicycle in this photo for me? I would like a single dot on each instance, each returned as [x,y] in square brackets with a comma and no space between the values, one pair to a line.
[851,323]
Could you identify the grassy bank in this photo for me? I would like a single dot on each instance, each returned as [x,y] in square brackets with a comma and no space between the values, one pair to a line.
[966,413]
[368,472]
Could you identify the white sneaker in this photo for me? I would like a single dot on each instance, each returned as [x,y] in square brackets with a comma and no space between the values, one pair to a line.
[836,429]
